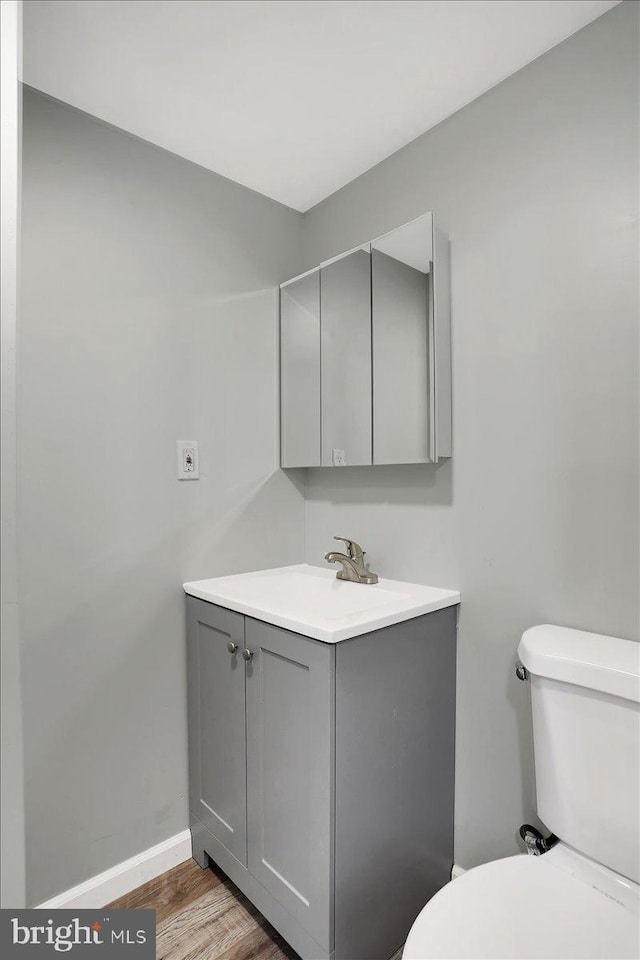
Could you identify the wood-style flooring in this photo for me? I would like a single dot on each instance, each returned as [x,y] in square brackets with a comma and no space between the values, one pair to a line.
[201,915]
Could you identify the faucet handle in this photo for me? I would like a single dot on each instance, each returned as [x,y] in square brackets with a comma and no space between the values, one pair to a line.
[354,549]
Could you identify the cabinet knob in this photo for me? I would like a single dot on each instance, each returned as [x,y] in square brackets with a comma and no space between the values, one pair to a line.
[247,654]
[232,647]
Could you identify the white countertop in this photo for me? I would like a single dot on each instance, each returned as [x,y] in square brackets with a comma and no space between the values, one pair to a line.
[310,600]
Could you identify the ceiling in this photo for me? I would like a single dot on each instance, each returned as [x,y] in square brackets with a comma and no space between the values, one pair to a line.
[293,98]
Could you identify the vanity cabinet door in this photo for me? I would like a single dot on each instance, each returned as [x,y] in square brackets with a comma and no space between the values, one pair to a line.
[290,773]
[217,731]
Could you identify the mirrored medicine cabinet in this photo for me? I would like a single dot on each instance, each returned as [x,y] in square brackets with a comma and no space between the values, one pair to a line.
[365,355]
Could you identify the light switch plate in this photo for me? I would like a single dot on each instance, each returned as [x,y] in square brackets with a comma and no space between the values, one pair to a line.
[188,460]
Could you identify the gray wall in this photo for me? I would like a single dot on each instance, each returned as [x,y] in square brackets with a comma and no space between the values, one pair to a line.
[536,517]
[12,852]
[148,315]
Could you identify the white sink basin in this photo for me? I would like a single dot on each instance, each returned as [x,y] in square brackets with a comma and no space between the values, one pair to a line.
[310,600]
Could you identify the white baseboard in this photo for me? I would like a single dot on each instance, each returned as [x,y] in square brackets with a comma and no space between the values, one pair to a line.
[124,877]
[457,871]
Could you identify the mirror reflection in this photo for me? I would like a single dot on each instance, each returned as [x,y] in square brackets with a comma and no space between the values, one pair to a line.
[401,284]
[345,360]
[365,354]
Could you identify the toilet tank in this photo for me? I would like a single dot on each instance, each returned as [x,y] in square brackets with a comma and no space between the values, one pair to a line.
[585,693]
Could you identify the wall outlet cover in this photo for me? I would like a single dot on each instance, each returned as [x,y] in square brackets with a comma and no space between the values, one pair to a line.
[188,460]
[339,457]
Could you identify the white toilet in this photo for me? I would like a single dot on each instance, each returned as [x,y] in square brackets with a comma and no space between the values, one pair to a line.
[581,898]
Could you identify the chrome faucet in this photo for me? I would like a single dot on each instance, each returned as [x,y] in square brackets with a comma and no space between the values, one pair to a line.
[353,566]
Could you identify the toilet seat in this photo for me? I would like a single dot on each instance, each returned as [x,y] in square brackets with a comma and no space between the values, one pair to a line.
[560,905]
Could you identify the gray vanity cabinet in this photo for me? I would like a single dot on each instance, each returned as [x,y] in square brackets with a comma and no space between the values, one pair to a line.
[217,743]
[289,759]
[342,828]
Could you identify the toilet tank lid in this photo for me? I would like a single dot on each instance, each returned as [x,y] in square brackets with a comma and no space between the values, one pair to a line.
[590,660]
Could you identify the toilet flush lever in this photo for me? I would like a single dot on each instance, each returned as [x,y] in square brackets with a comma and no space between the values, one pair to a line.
[521,671]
